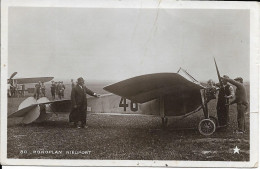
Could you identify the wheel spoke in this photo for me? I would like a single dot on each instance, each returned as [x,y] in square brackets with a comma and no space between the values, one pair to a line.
[206,127]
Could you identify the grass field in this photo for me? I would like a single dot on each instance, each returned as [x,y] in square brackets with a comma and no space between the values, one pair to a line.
[123,138]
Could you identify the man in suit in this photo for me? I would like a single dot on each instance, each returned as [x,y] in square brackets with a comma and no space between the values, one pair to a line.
[79,103]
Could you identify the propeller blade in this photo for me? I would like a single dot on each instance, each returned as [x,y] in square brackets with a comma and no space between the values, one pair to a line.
[219,77]
[13,75]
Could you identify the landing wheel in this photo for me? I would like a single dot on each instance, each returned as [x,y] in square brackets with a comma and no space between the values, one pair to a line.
[214,119]
[207,127]
[164,122]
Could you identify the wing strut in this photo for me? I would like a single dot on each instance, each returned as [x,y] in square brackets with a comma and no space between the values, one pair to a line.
[192,78]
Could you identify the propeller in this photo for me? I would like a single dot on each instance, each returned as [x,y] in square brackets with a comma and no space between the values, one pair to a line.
[219,77]
[13,75]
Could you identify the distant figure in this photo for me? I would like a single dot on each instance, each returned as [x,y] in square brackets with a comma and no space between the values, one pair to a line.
[62,89]
[59,88]
[79,104]
[19,90]
[12,88]
[9,90]
[240,100]
[72,84]
[43,89]
[23,90]
[37,90]
[225,93]
[53,89]
[15,90]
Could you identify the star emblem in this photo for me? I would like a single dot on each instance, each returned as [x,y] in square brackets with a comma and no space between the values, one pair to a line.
[236,150]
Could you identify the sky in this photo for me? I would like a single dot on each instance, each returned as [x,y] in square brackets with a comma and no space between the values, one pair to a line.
[116,44]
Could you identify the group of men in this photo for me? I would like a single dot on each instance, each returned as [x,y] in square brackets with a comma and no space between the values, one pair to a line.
[57,88]
[226,92]
[39,90]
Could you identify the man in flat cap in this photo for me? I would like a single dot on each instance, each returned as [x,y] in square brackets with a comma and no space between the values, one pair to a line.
[240,100]
[79,103]
[226,92]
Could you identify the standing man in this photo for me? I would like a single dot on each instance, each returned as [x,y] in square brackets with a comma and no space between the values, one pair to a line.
[79,103]
[12,88]
[72,84]
[43,89]
[59,89]
[226,92]
[240,100]
[23,89]
[9,89]
[62,89]
[19,90]
[53,88]
[37,90]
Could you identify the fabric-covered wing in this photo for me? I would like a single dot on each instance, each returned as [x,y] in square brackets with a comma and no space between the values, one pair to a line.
[33,80]
[145,88]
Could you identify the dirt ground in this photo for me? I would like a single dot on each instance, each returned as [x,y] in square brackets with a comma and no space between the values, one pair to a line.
[123,138]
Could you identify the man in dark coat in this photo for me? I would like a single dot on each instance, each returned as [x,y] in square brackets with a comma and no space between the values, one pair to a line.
[225,93]
[79,103]
[241,101]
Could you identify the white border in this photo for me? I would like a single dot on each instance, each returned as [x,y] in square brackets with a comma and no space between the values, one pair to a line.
[254,77]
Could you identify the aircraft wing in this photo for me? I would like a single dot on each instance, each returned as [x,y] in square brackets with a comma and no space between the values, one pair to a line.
[145,88]
[33,80]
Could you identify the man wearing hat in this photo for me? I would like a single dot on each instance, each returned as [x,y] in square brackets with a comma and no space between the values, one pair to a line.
[79,103]
[240,100]
[226,92]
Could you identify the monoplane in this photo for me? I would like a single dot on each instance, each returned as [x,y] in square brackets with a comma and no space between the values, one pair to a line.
[159,94]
